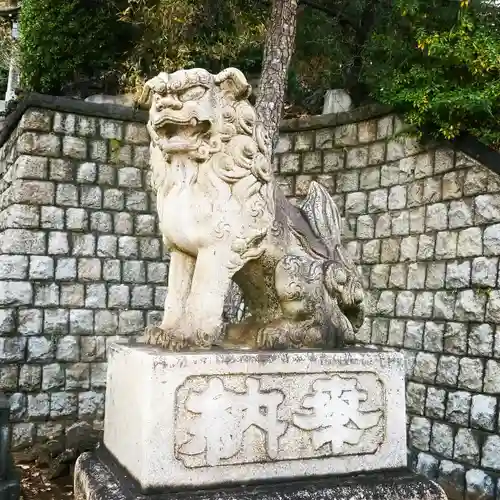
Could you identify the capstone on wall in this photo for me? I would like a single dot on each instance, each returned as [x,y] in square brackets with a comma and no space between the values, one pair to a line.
[81,264]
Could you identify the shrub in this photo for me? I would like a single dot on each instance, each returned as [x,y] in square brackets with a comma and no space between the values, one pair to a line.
[174,34]
[439,63]
[62,41]
[6,51]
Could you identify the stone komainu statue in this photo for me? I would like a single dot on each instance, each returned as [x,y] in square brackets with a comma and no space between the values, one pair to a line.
[223,218]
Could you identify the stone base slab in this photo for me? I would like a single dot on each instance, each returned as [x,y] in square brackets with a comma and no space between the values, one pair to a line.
[191,420]
[10,489]
[99,477]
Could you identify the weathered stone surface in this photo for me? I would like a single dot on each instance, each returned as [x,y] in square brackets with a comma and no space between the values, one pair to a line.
[448,367]
[471,374]
[491,453]
[455,338]
[434,332]
[483,412]
[458,274]
[481,340]
[457,409]
[210,372]
[470,242]
[484,271]
[446,245]
[425,367]
[415,398]
[491,238]
[470,305]
[420,433]
[39,144]
[74,147]
[401,224]
[466,447]
[453,185]
[479,484]
[444,303]
[491,377]
[442,439]
[98,477]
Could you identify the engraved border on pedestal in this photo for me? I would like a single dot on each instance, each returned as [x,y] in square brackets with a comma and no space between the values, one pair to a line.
[234,419]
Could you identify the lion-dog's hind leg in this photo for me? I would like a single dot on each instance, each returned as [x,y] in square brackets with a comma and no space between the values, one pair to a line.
[171,334]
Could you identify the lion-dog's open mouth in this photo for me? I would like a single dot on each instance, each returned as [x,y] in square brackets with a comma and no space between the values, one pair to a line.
[177,136]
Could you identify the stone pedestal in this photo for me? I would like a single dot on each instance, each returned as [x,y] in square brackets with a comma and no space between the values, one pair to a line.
[252,424]
[192,420]
[99,477]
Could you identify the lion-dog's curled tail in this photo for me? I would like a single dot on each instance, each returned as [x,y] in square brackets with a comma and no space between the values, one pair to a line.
[340,276]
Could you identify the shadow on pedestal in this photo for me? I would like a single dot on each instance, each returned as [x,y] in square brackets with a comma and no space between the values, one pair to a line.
[99,477]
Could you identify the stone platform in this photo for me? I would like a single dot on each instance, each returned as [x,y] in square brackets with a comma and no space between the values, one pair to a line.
[205,419]
[99,477]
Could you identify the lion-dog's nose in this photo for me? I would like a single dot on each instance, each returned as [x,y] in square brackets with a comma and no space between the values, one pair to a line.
[168,101]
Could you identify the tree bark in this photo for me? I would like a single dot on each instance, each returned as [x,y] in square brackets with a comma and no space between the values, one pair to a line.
[280,43]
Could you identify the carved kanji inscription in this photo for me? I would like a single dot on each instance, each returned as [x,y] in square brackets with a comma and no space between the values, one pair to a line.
[236,419]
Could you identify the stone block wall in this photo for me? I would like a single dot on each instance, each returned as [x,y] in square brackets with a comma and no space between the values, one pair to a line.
[81,264]
[424,226]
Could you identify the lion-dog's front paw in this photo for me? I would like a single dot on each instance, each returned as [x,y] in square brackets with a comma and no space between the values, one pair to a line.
[155,335]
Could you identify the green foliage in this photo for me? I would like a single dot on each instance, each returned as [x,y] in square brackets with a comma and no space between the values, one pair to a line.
[6,43]
[435,61]
[63,41]
[332,36]
[6,51]
[438,61]
[185,33]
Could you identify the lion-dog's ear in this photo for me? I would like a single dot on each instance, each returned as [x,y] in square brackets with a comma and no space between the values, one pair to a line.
[239,85]
[157,84]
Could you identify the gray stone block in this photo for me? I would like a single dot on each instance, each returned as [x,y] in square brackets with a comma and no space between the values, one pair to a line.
[466,447]
[458,407]
[442,439]
[483,412]
[479,484]
[58,243]
[101,222]
[491,453]
[92,348]
[74,147]
[77,219]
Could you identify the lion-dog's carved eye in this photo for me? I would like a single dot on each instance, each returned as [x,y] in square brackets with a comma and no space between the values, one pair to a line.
[192,94]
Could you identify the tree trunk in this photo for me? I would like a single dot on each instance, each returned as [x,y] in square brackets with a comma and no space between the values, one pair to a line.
[280,43]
